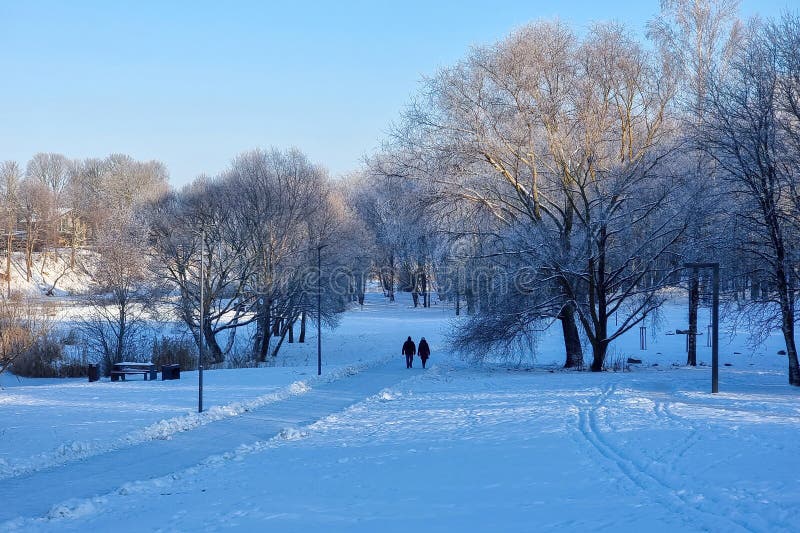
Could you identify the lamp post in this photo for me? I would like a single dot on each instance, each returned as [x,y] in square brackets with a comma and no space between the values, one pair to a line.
[714,320]
[202,323]
[319,308]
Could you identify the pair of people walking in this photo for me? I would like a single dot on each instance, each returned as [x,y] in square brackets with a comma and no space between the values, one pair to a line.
[410,350]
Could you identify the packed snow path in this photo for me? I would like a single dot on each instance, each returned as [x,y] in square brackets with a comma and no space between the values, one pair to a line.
[107,472]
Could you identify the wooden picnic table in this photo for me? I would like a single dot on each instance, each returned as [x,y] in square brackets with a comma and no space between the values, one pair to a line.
[127,368]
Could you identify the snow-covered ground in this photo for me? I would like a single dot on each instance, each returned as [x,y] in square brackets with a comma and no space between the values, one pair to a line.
[51,272]
[454,447]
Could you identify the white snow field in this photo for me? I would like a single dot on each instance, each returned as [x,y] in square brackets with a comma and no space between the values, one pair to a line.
[372,446]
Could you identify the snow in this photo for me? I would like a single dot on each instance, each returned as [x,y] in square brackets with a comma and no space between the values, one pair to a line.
[52,270]
[373,446]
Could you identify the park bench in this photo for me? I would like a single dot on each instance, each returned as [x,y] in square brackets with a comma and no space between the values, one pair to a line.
[127,368]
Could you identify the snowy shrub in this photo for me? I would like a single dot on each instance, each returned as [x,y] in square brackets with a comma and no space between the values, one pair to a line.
[172,351]
[616,363]
[46,359]
[241,357]
[72,338]
[108,344]
[67,367]
[21,325]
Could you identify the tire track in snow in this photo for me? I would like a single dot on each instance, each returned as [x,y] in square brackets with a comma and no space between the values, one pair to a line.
[675,500]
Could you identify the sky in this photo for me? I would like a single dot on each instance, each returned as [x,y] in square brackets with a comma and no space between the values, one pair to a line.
[193,83]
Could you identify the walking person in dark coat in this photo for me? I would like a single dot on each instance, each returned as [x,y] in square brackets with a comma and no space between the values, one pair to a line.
[424,351]
[409,350]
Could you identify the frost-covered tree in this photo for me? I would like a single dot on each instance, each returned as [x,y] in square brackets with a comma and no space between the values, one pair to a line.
[121,291]
[698,37]
[563,142]
[52,170]
[35,209]
[196,227]
[360,244]
[46,176]
[10,175]
[750,126]
[256,229]
[279,194]
[391,205]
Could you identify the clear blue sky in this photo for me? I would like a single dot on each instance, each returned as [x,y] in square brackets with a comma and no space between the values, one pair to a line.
[193,83]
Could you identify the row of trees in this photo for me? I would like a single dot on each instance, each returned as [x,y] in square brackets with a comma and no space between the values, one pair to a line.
[243,249]
[248,251]
[553,176]
[262,231]
[57,202]
[548,177]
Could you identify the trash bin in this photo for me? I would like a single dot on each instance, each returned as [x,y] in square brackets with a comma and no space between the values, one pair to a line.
[170,372]
[94,372]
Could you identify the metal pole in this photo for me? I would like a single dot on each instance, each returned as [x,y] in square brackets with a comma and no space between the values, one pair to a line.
[319,310]
[202,323]
[715,331]
[714,321]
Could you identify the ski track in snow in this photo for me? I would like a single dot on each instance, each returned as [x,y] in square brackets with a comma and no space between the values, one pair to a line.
[682,502]
[664,413]
[663,410]
[676,502]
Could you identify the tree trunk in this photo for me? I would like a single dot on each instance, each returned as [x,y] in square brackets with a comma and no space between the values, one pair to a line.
[302,337]
[572,339]
[361,288]
[263,332]
[599,351]
[8,262]
[791,352]
[74,245]
[598,300]
[267,336]
[483,293]
[470,298]
[120,352]
[28,261]
[391,282]
[754,293]
[785,289]
[694,302]
[212,346]
[786,298]
[280,343]
[291,332]
[425,300]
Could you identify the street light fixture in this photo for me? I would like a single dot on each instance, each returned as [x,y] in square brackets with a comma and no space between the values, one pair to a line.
[319,308]
[202,323]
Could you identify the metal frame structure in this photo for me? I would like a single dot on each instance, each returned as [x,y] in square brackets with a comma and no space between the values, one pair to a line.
[714,320]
